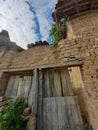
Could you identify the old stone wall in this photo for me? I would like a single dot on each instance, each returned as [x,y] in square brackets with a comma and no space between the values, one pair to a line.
[84,31]
[83,26]
[83,45]
[85,49]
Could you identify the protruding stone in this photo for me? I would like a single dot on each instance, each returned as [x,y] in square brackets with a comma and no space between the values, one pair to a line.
[27,111]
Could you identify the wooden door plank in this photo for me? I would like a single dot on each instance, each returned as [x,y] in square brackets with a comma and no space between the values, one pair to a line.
[16,85]
[45,93]
[25,86]
[60,115]
[51,81]
[44,115]
[64,83]
[54,114]
[20,85]
[70,91]
[33,95]
[40,102]
[57,84]
[47,84]
[64,114]
[10,87]
[8,90]
[62,118]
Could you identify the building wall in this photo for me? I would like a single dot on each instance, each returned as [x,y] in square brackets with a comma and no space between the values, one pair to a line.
[82,45]
[83,25]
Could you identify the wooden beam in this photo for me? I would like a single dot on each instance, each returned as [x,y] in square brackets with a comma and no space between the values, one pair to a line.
[83,13]
[77,7]
[92,4]
[67,4]
[66,64]
[55,17]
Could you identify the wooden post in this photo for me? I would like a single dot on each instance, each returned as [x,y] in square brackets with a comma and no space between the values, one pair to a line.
[40,97]
[55,17]
[33,94]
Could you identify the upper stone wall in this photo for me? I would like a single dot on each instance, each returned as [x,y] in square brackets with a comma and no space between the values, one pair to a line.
[83,26]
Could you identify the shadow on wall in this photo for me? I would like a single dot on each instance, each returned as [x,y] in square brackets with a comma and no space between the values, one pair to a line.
[79,91]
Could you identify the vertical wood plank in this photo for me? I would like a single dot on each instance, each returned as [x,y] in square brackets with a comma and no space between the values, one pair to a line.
[65,114]
[16,85]
[70,91]
[70,114]
[8,90]
[33,95]
[61,113]
[54,114]
[24,86]
[45,115]
[57,84]
[51,81]
[45,94]
[47,84]
[20,85]
[66,83]
[40,103]
[27,86]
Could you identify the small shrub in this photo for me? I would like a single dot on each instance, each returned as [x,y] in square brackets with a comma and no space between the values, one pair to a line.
[11,119]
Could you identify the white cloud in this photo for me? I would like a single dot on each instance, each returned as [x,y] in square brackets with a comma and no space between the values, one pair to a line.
[18,18]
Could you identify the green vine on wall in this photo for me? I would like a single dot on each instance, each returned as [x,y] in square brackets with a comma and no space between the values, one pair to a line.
[58,32]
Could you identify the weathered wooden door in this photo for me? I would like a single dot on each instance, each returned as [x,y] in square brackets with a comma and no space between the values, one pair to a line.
[24,84]
[18,86]
[61,113]
[60,108]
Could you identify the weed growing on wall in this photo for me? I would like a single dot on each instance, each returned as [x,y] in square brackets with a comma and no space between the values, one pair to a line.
[11,119]
[57,32]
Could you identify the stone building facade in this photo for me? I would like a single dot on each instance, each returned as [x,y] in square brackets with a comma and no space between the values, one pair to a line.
[79,52]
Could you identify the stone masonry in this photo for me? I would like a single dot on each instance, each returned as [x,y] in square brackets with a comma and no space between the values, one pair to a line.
[82,45]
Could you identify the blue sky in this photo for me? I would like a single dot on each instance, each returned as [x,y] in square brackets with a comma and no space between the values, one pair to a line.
[26,21]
